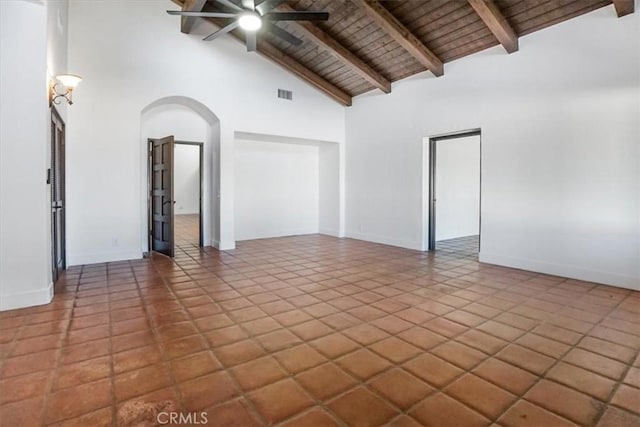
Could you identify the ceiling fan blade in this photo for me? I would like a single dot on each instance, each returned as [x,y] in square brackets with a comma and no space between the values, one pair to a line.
[252,41]
[222,31]
[297,16]
[202,14]
[230,5]
[249,4]
[283,34]
[267,5]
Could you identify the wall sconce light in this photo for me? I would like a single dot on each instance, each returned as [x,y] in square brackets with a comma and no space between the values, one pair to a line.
[59,91]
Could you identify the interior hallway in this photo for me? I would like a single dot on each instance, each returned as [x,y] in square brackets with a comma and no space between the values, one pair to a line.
[313,329]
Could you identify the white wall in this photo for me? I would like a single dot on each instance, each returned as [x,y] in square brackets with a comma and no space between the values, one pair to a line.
[331,189]
[25,257]
[560,124]
[128,66]
[457,187]
[276,189]
[186,179]
[331,176]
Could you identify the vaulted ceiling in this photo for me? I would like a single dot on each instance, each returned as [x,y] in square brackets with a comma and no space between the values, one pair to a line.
[367,44]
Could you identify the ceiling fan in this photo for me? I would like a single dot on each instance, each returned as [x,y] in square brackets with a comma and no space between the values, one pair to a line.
[251,17]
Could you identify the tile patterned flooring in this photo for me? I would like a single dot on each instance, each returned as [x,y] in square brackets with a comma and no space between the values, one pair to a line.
[468,246]
[314,331]
[187,229]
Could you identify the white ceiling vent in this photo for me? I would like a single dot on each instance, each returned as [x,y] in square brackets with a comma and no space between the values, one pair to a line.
[285,94]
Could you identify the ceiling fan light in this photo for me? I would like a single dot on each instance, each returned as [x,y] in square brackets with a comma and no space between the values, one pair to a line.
[250,22]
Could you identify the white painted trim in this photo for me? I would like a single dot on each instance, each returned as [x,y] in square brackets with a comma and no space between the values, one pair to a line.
[95,258]
[407,244]
[26,299]
[570,271]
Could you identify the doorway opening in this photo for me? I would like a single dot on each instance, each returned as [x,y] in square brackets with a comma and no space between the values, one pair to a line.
[454,193]
[175,195]
[188,158]
[56,178]
[189,120]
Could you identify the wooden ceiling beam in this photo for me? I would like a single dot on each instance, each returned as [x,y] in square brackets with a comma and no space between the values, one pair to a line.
[623,7]
[385,19]
[269,51]
[187,22]
[344,55]
[497,23]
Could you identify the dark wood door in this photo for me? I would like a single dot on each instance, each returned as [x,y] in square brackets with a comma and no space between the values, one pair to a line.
[57,181]
[161,167]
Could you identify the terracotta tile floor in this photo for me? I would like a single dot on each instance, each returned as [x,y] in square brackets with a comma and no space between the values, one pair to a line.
[187,229]
[314,331]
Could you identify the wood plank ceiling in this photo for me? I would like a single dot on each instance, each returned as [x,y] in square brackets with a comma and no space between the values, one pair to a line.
[367,44]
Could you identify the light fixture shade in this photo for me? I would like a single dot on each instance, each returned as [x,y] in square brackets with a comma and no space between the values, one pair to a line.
[69,80]
[250,22]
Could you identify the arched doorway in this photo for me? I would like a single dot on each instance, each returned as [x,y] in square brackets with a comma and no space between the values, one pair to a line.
[189,120]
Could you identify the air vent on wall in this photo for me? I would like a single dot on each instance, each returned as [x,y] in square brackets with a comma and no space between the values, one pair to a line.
[285,94]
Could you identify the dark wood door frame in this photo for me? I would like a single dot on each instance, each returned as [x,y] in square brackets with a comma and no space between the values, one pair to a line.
[56,178]
[432,178]
[201,189]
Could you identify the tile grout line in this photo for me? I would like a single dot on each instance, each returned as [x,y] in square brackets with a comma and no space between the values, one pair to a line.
[333,362]
[452,338]
[58,356]
[349,269]
[543,375]
[112,376]
[158,342]
[291,376]
[224,368]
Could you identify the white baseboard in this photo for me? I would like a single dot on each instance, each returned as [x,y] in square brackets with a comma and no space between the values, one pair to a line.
[570,271]
[329,232]
[26,299]
[407,244]
[96,258]
[276,234]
